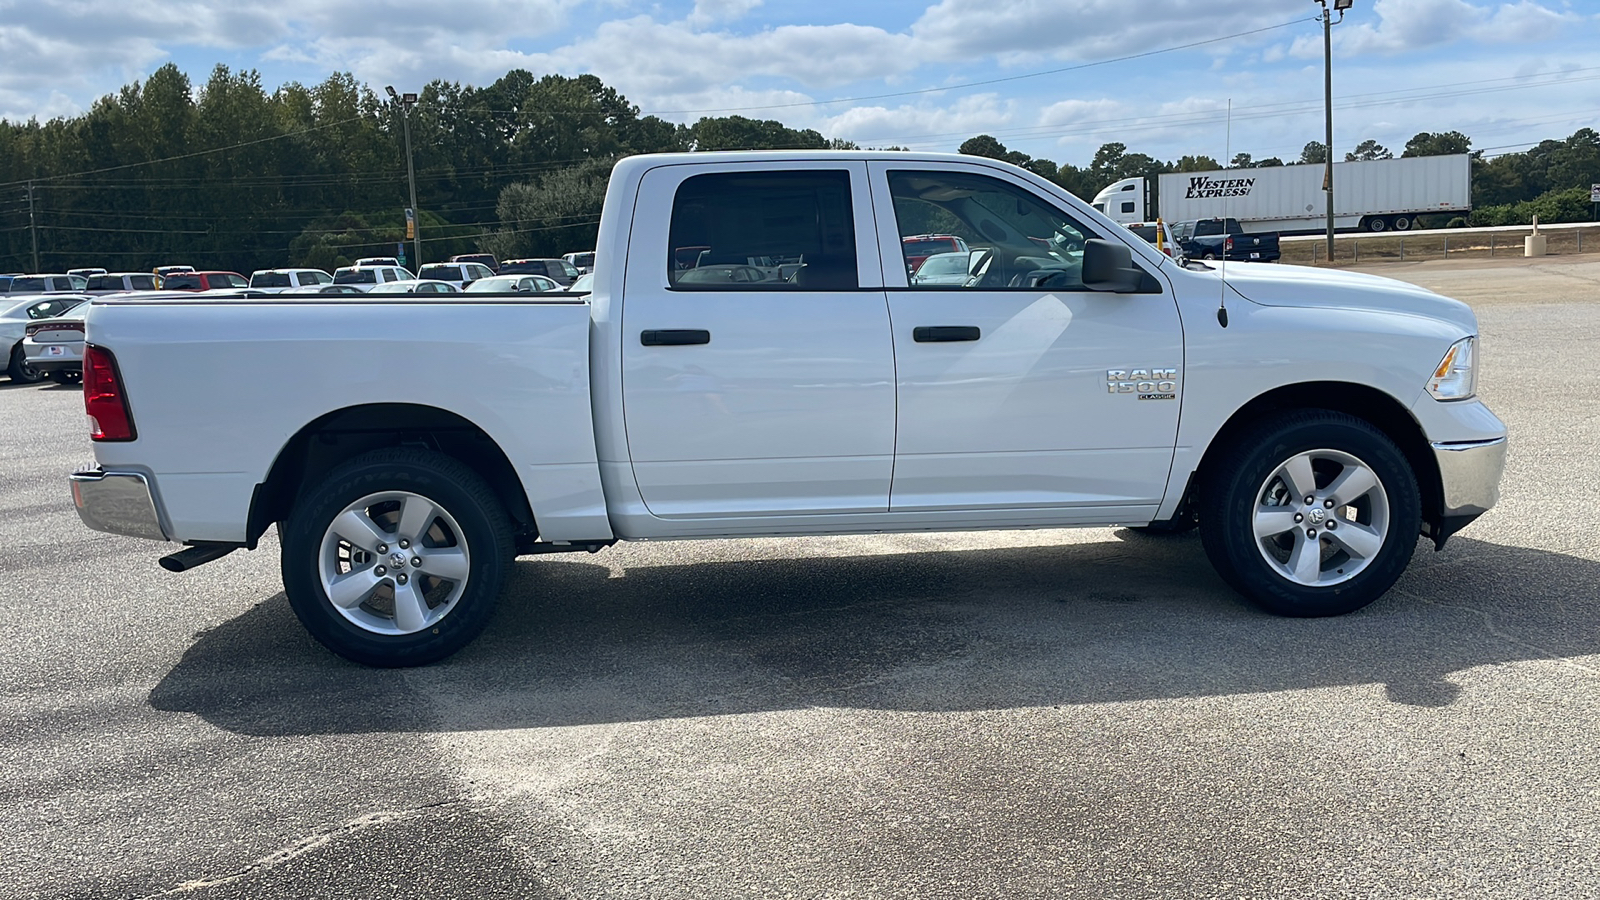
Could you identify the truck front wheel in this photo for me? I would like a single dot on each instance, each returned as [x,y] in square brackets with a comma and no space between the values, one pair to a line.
[1314,513]
[397,557]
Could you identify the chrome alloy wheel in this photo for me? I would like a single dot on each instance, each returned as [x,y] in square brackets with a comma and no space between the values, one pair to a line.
[394,563]
[1321,517]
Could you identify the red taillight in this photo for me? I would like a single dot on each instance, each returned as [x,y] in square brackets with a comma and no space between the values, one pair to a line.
[1227,245]
[103,397]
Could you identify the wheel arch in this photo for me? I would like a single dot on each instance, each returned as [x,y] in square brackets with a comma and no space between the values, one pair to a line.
[1367,403]
[345,433]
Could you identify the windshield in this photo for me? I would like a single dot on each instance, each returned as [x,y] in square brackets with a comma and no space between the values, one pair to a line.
[356,276]
[269,280]
[440,272]
[182,283]
[928,248]
[944,264]
[49,309]
[29,284]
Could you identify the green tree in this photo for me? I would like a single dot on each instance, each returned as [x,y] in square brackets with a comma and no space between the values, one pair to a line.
[1314,153]
[1368,150]
[1441,143]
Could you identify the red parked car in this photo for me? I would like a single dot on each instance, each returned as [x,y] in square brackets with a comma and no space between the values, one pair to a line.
[204,281]
[919,247]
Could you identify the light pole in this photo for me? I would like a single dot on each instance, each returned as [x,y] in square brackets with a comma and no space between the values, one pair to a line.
[1327,102]
[407,101]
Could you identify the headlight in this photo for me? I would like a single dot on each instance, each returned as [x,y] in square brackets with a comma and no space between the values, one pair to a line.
[1456,378]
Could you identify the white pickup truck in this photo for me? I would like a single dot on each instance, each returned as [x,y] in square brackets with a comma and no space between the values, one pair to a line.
[753,360]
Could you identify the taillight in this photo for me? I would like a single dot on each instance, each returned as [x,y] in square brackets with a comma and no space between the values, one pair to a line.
[1227,245]
[62,326]
[103,397]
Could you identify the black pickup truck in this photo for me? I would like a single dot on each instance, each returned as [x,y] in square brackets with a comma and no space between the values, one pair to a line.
[1224,239]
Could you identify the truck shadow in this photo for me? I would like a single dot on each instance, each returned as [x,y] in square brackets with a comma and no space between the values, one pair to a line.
[1133,618]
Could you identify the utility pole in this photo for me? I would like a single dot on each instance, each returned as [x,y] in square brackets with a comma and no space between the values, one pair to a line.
[1327,101]
[407,101]
[33,227]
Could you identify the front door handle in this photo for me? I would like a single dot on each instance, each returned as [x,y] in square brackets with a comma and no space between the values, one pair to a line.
[674,337]
[933,334]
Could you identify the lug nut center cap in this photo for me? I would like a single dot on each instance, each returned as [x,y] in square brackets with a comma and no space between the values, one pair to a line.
[397,561]
[1317,515]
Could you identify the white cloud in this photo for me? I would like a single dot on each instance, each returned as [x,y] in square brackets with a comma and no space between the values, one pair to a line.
[1407,26]
[707,12]
[924,124]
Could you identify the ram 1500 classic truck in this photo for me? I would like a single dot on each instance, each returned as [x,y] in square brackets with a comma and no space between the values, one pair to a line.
[1312,422]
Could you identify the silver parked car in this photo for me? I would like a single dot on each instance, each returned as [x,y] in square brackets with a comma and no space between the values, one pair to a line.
[416,286]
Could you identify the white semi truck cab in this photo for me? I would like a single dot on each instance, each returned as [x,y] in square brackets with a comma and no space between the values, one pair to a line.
[754,359]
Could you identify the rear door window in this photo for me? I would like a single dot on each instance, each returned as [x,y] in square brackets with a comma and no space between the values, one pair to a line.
[142,282]
[750,224]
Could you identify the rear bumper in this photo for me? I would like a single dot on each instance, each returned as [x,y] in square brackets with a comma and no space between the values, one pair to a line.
[117,503]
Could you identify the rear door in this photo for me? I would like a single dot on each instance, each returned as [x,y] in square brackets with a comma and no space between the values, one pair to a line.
[757,397]
[1019,388]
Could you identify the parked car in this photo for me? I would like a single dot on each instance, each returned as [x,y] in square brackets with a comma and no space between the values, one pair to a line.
[482,259]
[367,261]
[5,282]
[584,284]
[121,282]
[365,277]
[164,271]
[559,270]
[1225,239]
[919,247]
[1150,232]
[324,289]
[48,284]
[1046,392]
[418,286]
[278,280]
[85,273]
[204,281]
[583,262]
[518,283]
[459,274]
[54,347]
[15,317]
[946,268]
[725,274]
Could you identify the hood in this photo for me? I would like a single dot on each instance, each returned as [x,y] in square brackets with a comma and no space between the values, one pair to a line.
[1272,284]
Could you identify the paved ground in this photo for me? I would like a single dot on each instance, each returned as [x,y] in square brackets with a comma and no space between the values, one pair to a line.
[1045,714]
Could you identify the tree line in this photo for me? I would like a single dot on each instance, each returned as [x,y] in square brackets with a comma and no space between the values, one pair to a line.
[226,174]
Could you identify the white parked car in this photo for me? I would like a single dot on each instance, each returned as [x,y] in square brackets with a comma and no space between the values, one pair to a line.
[583,262]
[54,347]
[516,283]
[122,282]
[278,280]
[1159,234]
[1077,377]
[16,314]
[365,278]
[418,286]
[459,274]
[583,285]
[947,268]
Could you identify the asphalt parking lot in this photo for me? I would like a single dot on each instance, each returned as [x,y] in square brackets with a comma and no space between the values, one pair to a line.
[1024,714]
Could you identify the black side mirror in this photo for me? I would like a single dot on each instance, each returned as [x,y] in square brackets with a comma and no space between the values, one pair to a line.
[1108,266]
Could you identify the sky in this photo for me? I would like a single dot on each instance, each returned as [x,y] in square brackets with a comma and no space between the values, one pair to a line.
[888,73]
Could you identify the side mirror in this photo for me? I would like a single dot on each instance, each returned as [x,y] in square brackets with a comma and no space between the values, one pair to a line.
[1108,266]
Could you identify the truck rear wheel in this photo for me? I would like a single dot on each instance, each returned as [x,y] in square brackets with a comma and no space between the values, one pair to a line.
[397,557]
[1402,223]
[1314,513]
[1377,223]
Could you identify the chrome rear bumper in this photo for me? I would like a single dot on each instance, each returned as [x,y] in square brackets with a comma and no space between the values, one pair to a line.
[117,503]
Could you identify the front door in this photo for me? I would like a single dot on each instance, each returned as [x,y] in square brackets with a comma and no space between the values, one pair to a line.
[1018,387]
[758,370]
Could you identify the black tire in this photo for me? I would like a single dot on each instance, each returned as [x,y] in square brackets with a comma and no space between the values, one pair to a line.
[20,371]
[1402,223]
[1228,505]
[1377,224]
[1208,255]
[485,532]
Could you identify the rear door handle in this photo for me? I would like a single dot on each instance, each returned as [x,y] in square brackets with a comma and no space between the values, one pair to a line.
[674,337]
[933,334]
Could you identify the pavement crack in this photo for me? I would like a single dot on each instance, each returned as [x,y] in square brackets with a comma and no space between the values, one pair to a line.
[317,839]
